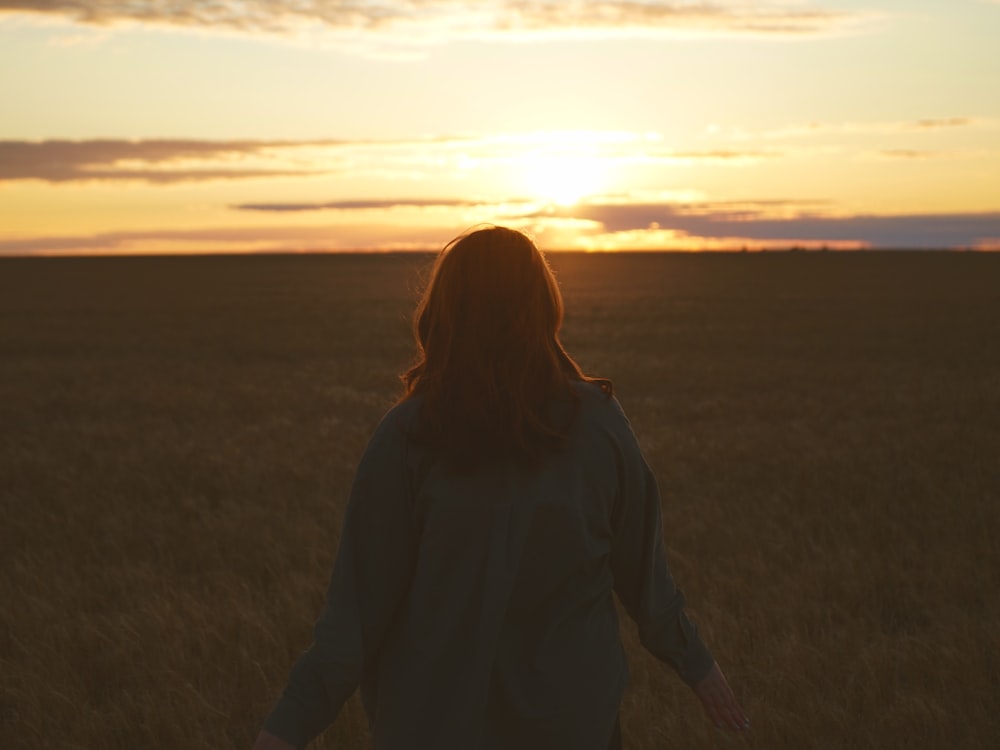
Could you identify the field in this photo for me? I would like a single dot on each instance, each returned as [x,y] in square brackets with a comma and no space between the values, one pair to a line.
[177,437]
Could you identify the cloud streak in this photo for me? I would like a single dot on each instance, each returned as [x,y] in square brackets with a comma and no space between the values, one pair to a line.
[361,205]
[939,124]
[233,239]
[785,223]
[437,20]
[155,161]
[925,125]
[168,161]
[907,154]
[716,225]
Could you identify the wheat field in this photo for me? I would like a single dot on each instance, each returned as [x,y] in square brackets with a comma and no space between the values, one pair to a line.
[178,435]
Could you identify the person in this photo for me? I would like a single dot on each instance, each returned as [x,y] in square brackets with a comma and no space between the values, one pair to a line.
[495,510]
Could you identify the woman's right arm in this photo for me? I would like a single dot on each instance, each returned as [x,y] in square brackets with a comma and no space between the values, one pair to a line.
[719,703]
[369,580]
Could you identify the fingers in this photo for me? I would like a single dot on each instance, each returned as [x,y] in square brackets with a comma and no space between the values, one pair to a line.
[725,712]
[719,703]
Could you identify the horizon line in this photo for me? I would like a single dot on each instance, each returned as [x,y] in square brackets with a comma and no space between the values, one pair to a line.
[778,250]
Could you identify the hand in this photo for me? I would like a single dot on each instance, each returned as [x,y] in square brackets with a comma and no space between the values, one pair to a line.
[268,741]
[719,702]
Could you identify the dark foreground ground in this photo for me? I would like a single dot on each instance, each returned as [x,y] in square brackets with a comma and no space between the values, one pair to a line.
[177,437]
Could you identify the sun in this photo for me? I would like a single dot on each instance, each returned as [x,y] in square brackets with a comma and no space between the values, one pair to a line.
[562,178]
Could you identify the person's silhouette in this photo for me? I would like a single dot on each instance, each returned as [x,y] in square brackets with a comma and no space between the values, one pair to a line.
[496,508]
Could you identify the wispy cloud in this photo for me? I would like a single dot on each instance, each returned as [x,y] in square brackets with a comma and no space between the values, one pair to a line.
[168,161]
[438,20]
[907,154]
[234,239]
[154,161]
[731,157]
[939,123]
[783,223]
[847,128]
[611,225]
[360,205]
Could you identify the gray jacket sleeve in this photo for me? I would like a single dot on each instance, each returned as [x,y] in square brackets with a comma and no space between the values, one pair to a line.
[369,581]
[639,563]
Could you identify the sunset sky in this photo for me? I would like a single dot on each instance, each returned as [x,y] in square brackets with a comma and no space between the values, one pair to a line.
[247,125]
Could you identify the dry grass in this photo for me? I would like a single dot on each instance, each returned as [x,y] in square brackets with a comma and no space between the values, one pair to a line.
[178,436]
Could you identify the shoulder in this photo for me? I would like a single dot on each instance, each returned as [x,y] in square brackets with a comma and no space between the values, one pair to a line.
[402,413]
[398,421]
[601,410]
[394,430]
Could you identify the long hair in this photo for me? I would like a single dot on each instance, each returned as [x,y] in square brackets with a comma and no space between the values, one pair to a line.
[489,359]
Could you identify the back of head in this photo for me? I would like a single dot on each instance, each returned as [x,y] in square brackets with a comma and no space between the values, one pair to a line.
[489,356]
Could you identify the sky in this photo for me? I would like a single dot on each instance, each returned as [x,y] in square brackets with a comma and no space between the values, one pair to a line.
[149,126]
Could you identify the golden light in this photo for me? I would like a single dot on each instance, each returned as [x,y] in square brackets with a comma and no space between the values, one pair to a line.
[562,177]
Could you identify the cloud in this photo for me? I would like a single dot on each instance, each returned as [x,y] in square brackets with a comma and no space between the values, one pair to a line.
[616,225]
[863,128]
[154,161]
[908,154]
[357,205]
[941,123]
[729,157]
[235,240]
[168,161]
[785,223]
[437,20]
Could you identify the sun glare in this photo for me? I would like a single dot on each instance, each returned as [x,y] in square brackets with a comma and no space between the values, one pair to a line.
[562,178]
